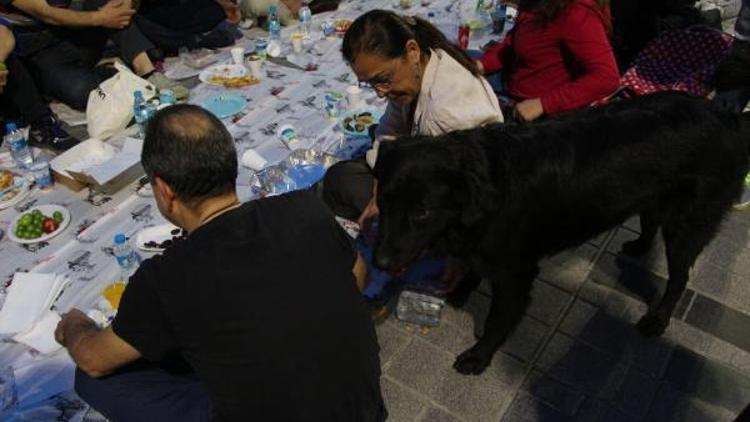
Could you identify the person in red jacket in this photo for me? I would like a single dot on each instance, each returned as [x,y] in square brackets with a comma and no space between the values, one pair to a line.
[557,57]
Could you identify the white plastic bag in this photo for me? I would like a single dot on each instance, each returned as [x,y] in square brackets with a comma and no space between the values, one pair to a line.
[110,106]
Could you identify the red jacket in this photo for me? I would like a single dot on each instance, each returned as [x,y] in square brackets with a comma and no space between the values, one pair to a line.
[568,63]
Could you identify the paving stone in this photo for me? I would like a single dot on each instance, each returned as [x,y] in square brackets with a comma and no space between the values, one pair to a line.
[624,275]
[633,223]
[655,260]
[673,405]
[709,381]
[596,327]
[600,239]
[627,308]
[402,404]
[391,340]
[428,370]
[469,317]
[723,285]
[434,414]
[734,258]
[564,398]
[703,343]
[721,321]
[527,409]
[565,359]
[569,268]
[547,302]
[683,306]
[634,395]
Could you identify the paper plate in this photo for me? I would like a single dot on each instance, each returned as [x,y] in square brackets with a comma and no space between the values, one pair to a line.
[223,70]
[16,195]
[47,210]
[156,234]
[349,120]
[224,105]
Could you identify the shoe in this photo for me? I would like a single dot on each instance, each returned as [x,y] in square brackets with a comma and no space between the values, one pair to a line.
[46,133]
[161,82]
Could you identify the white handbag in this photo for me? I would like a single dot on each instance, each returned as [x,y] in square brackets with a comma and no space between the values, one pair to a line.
[110,105]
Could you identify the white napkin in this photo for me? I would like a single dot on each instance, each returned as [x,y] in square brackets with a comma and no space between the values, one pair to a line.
[29,297]
[41,336]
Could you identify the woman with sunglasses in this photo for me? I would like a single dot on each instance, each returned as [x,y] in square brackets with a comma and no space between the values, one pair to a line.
[556,58]
[432,88]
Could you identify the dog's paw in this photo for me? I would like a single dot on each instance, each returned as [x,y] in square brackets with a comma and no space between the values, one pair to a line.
[471,362]
[652,325]
[635,248]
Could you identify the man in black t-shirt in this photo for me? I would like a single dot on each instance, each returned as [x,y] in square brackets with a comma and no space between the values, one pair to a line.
[260,301]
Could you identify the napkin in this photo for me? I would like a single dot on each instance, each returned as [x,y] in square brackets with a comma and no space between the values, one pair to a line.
[42,335]
[29,297]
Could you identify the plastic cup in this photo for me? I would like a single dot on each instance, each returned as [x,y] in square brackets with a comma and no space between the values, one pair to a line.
[42,176]
[238,54]
[297,42]
[260,47]
[354,96]
[333,104]
[255,66]
[288,136]
[252,160]
[113,294]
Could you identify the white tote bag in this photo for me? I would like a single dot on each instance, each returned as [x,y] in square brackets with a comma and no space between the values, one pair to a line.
[110,106]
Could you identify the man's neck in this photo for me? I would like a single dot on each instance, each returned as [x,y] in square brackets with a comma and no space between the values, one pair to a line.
[209,210]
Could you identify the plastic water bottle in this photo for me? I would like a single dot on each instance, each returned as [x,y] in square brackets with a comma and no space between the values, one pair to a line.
[274,26]
[480,6]
[142,112]
[19,148]
[421,308]
[305,20]
[499,16]
[127,258]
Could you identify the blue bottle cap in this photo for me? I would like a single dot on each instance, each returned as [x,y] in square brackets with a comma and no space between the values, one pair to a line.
[10,127]
[120,239]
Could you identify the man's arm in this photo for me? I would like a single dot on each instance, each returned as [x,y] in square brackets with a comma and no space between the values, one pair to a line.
[115,14]
[96,352]
[231,10]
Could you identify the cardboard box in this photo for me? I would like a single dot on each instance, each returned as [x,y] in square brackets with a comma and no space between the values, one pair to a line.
[99,165]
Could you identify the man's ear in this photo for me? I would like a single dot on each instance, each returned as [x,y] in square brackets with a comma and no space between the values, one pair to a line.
[165,192]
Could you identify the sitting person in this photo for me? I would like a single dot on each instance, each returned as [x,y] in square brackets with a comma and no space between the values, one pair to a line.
[62,50]
[259,300]
[19,95]
[432,87]
[556,58]
[174,24]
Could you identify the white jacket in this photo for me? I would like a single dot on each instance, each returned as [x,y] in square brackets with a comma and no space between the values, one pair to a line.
[451,98]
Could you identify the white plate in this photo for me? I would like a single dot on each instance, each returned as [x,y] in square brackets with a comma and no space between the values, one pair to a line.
[225,70]
[47,210]
[23,193]
[156,234]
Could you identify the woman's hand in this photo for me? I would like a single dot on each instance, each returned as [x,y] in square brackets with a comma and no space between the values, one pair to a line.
[371,211]
[530,109]
[480,66]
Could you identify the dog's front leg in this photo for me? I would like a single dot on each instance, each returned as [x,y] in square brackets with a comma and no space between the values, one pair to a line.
[510,296]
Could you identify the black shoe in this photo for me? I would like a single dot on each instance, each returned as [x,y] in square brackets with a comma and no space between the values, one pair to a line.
[47,133]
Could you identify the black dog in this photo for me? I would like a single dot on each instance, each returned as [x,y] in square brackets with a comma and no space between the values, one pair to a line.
[503,197]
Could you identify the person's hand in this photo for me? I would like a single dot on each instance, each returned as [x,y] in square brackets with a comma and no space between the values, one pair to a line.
[3,79]
[293,5]
[480,66]
[115,14]
[233,12]
[530,109]
[371,211]
[69,320]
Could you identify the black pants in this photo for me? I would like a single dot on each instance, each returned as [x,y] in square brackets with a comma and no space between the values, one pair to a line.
[171,40]
[143,392]
[347,188]
[21,96]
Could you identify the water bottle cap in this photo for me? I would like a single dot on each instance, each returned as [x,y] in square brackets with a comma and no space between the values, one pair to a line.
[271,10]
[10,127]
[120,239]
[137,94]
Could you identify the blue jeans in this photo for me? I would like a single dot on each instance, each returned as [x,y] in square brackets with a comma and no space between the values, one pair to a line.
[144,393]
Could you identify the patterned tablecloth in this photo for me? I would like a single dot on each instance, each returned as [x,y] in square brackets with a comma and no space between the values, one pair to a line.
[285,95]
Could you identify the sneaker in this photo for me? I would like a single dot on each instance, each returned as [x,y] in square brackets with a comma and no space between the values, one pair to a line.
[47,133]
[161,82]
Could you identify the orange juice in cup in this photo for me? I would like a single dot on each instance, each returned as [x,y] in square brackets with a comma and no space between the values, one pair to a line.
[113,293]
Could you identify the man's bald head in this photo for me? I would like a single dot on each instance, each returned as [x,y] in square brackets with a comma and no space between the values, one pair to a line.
[191,150]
